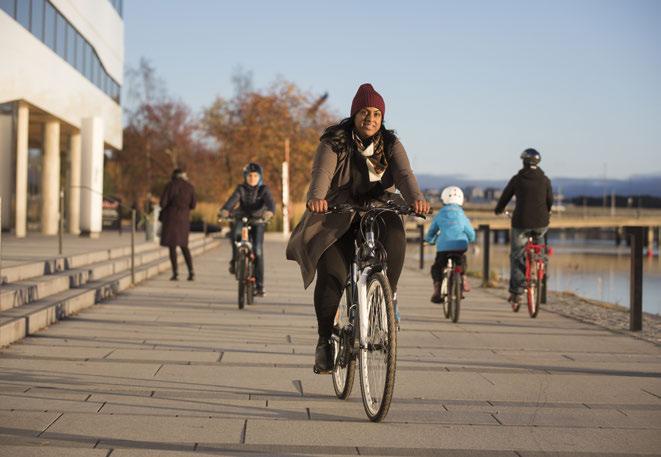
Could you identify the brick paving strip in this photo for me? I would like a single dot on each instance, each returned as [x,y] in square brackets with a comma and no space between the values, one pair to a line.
[175,369]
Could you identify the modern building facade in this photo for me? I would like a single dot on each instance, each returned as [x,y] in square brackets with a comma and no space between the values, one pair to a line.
[61,69]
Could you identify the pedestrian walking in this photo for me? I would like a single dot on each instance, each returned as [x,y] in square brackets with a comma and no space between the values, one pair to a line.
[177,200]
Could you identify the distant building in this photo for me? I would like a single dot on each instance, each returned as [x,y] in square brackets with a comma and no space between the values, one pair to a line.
[61,65]
[474,194]
[492,194]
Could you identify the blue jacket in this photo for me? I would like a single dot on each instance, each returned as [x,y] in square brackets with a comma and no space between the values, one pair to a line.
[450,230]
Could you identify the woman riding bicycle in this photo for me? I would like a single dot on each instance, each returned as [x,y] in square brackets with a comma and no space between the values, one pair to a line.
[357,161]
[254,200]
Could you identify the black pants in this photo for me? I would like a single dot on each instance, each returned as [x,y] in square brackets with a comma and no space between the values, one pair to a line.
[173,259]
[442,260]
[333,268]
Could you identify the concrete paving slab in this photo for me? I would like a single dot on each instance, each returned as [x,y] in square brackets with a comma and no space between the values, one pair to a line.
[50,451]
[470,437]
[120,427]
[152,355]
[23,402]
[27,423]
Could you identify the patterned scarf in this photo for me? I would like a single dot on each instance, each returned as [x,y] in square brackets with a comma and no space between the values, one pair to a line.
[376,161]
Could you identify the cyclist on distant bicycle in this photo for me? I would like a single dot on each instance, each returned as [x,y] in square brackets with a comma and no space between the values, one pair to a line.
[357,161]
[451,231]
[534,198]
[254,200]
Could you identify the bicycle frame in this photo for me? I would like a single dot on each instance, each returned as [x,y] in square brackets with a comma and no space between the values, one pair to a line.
[534,253]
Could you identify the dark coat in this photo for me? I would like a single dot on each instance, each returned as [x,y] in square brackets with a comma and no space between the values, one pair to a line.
[534,198]
[331,180]
[177,200]
[253,201]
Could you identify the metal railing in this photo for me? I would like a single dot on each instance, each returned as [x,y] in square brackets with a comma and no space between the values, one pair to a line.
[637,240]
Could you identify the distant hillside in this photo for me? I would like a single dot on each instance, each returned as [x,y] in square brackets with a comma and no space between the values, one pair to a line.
[570,187]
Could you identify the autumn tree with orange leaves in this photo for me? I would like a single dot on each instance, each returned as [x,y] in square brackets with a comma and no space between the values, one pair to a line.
[162,133]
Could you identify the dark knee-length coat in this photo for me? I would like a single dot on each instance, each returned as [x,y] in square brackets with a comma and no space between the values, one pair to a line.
[331,180]
[177,200]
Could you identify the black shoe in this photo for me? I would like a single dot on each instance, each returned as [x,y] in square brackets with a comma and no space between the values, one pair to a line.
[260,292]
[174,277]
[232,268]
[191,276]
[323,356]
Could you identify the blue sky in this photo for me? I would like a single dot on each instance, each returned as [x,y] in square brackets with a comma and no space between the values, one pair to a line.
[467,84]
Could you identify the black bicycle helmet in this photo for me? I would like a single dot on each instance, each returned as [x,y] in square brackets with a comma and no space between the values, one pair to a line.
[253,167]
[531,157]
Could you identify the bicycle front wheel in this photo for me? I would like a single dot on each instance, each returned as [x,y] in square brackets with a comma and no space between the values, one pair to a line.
[455,296]
[379,358]
[343,376]
[250,284]
[241,272]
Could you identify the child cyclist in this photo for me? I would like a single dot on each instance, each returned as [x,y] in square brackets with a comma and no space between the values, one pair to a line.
[451,231]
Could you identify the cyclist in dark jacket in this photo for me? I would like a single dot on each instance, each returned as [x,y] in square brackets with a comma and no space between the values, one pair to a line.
[254,199]
[534,198]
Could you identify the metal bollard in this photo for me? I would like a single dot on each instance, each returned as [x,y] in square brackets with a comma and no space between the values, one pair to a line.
[636,235]
[133,246]
[486,245]
[421,229]
[60,229]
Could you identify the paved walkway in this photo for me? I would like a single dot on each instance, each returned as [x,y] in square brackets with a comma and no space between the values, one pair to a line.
[174,369]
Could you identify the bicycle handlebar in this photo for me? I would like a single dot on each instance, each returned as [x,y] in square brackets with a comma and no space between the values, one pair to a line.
[250,220]
[389,206]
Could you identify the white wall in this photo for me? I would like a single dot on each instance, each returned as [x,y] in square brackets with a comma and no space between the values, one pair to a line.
[43,79]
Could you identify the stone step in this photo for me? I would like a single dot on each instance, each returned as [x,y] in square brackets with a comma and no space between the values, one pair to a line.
[51,265]
[18,322]
[21,293]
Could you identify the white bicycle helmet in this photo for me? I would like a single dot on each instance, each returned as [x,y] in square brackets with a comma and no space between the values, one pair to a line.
[452,194]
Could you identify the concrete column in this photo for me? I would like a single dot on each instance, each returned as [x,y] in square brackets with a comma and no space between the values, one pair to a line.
[50,178]
[22,122]
[91,193]
[74,184]
[6,162]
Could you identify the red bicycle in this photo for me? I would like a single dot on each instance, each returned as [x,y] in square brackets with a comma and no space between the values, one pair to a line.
[535,258]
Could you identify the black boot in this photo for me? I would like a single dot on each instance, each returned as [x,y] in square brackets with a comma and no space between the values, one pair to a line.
[191,276]
[323,356]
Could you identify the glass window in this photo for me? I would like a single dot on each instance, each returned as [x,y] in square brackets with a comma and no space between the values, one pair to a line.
[71,45]
[88,61]
[37,23]
[60,35]
[80,58]
[49,26]
[23,13]
[94,68]
[9,7]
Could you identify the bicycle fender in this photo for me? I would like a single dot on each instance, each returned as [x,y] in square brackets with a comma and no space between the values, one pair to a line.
[362,305]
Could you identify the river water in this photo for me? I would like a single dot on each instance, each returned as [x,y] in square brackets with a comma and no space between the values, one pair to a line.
[594,269]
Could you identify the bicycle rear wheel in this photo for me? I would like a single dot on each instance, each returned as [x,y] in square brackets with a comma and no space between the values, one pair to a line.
[539,274]
[241,278]
[379,358]
[445,287]
[343,376]
[533,290]
[454,296]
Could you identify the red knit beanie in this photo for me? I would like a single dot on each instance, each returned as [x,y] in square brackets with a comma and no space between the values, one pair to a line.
[367,97]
